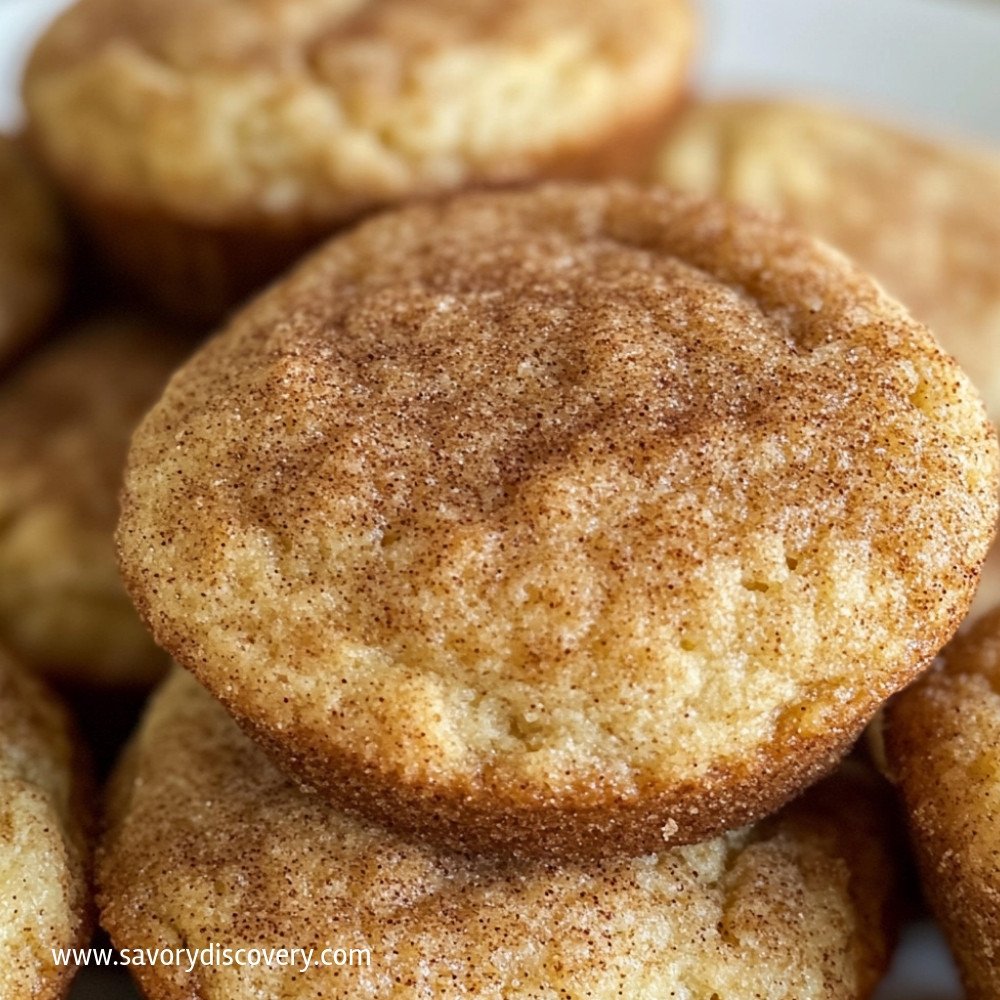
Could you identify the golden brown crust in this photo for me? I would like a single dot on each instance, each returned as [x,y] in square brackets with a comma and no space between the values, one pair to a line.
[286,121]
[920,216]
[32,251]
[562,518]
[44,851]
[67,414]
[209,843]
[942,740]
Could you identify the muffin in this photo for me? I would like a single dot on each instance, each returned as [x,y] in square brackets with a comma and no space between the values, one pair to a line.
[561,522]
[208,843]
[207,143]
[67,414]
[44,893]
[32,251]
[942,741]
[919,215]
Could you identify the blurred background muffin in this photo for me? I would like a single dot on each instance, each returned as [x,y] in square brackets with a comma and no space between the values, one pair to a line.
[67,415]
[33,251]
[207,143]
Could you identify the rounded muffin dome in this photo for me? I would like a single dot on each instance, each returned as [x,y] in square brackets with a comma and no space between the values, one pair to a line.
[573,520]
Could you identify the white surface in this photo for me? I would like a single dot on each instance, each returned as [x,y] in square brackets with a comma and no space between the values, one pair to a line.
[932,63]
[20,22]
[922,969]
[928,62]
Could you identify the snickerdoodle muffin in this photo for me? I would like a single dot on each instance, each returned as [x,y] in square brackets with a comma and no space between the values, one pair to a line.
[32,251]
[569,520]
[208,142]
[942,741]
[208,844]
[923,218]
[44,895]
[67,414]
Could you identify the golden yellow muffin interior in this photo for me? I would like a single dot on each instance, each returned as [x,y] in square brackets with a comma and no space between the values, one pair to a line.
[67,414]
[921,216]
[209,843]
[285,112]
[32,251]
[44,900]
[942,741]
[565,519]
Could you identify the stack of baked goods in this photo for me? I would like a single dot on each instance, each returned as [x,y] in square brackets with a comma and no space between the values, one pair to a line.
[534,549]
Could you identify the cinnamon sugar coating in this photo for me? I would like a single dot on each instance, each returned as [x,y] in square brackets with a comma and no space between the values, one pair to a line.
[44,890]
[942,739]
[67,414]
[566,521]
[919,215]
[209,843]
[32,251]
[209,124]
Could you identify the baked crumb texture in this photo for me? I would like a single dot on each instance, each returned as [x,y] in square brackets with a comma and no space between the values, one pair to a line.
[209,843]
[66,416]
[44,893]
[209,142]
[552,521]
[32,251]
[907,209]
[942,739]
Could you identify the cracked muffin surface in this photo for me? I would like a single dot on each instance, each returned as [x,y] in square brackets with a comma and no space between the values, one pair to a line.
[571,520]
[209,842]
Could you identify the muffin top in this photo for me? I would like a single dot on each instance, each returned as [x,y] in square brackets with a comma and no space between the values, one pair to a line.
[921,216]
[270,112]
[209,842]
[44,901]
[574,510]
[32,251]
